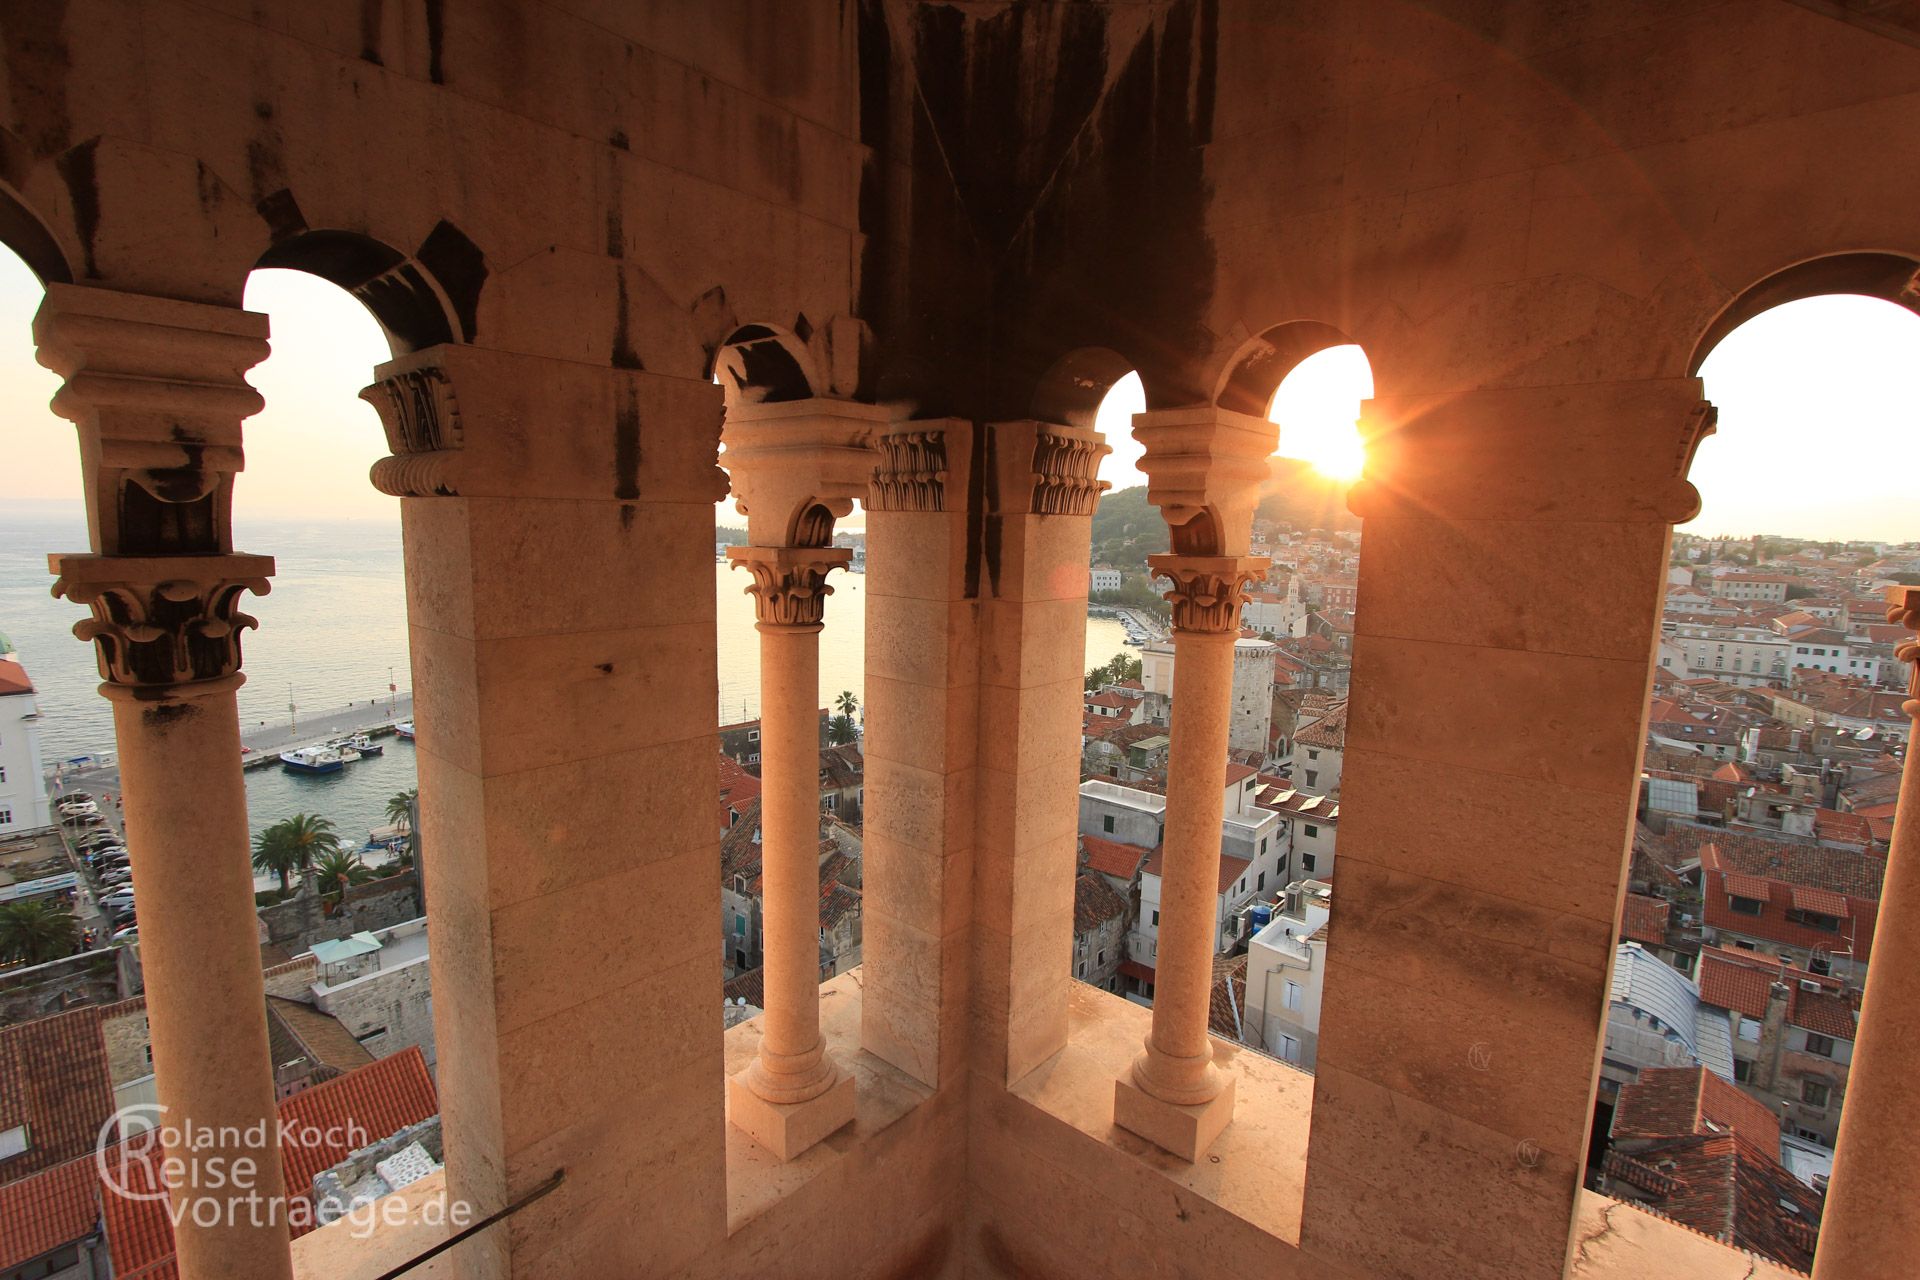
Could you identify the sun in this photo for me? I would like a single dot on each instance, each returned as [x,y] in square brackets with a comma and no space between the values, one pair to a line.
[1317,407]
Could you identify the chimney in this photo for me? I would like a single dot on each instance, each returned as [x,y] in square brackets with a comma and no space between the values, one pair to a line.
[1772,1031]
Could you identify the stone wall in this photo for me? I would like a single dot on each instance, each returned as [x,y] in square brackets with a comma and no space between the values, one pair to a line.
[399,999]
[296,924]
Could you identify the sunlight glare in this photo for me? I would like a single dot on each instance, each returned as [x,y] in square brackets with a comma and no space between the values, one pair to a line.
[1317,407]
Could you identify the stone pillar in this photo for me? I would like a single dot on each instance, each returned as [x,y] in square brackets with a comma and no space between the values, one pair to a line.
[1473,926]
[157,390]
[795,466]
[1204,470]
[1042,487]
[923,692]
[558,521]
[1871,1225]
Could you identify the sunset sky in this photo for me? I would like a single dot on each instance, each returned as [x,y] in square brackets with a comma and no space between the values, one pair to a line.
[1819,401]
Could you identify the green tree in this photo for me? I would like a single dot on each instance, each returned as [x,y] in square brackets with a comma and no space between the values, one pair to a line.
[841,730]
[400,808]
[35,932]
[847,703]
[337,869]
[294,844]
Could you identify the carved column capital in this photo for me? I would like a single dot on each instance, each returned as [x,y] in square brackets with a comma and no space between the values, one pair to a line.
[421,416]
[163,626]
[1046,468]
[910,470]
[157,390]
[790,583]
[1904,611]
[1205,467]
[795,466]
[1208,591]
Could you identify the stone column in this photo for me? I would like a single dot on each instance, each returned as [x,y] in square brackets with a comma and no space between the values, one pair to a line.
[1042,487]
[795,467]
[558,524]
[922,696]
[1473,926]
[1871,1225]
[157,391]
[1176,1096]
[1204,470]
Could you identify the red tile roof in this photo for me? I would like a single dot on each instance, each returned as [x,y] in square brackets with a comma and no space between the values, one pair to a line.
[1770,871]
[13,678]
[1111,858]
[1664,1102]
[1724,1186]
[1644,919]
[326,1123]
[1095,903]
[54,1081]
[52,1208]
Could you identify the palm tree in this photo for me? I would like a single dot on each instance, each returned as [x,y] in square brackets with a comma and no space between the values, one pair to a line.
[840,730]
[847,703]
[339,868]
[293,844]
[35,932]
[400,808]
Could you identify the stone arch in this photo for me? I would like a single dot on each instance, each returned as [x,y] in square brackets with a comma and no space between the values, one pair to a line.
[29,236]
[415,304]
[764,364]
[1072,388]
[1261,364]
[1893,277]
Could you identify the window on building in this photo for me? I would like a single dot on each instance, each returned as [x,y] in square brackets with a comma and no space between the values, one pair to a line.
[1745,906]
[374,1034]
[1260,882]
[1080,968]
[833,802]
[753,735]
[1313,777]
[1106,823]
[1742,1070]
[1819,1046]
[6,817]
[1306,863]
[1813,920]
[1263,844]
[1312,754]
[1820,962]
[1156,919]
[13,1142]
[1292,997]
[1750,1030]
[1312,831]
[1289,1049]
[1101,957]
[1813,1093]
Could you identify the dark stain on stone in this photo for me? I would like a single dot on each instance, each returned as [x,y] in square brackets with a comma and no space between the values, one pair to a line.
[370,15]
[166,715]
[623,355]
[77,171]
[436,41]
[618,138]
[604,668]
[627,510]
[461,268]
[38,68]
[626,446]
[281,212]
[978,521]
[616,229]
[206,187]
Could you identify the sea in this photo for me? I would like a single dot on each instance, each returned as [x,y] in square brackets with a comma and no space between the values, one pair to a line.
[333,636]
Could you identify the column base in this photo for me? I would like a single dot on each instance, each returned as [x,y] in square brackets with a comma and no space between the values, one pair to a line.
[1184,1131]
[787,1129]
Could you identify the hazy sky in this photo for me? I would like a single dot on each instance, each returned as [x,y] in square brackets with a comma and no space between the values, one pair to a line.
[1819,401]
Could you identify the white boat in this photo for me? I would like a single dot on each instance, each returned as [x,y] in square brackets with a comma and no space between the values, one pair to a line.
[404,729]
[360,743]
[314,760]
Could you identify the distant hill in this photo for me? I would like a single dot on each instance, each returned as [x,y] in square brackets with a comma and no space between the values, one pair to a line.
[1127,528]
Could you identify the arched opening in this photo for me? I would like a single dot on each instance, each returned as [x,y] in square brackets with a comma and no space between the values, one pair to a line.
[1775,736]
[764,364]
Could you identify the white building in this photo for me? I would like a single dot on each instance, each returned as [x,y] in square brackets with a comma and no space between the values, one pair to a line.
[380,988]
[1737,655]
[1751,587]
[23,786]
[1828,650]
[1104,580]
[1286,973]
[1252,714]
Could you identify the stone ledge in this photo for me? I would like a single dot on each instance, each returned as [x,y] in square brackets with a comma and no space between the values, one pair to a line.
[1256,1170]
[409,1222]
[756,1179]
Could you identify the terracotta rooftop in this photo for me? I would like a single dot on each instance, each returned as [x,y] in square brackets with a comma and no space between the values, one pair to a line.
[1665,1102]
[52,1208]
[1725,1187]
[319,1035]
[13,678]
[54,1082]
[1644,919]
[1111,858]
[1094,903]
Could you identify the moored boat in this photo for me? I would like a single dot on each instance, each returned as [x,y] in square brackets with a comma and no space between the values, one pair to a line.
[359,742]
[404,729]
[314,760]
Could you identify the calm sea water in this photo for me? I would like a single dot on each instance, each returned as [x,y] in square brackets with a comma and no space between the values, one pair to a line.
[331,632]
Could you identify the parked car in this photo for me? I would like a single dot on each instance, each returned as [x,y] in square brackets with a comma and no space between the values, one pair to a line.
[117,877]
[129,934]
[121,897]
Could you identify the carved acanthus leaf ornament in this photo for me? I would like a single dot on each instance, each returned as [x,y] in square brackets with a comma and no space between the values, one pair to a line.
[790,583]
[1208,591]
[158,635]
